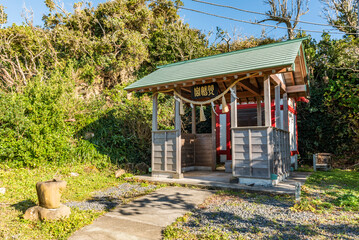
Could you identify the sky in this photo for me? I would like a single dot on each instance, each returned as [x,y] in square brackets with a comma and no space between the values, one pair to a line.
[14,9]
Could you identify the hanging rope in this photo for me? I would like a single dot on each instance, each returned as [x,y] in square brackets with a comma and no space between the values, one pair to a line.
[214,108]
[213,99]
[225,108]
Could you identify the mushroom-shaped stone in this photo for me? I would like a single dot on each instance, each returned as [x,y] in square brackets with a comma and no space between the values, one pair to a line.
[49,193]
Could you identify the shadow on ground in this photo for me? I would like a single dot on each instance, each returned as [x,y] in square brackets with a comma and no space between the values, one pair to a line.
[23,205]
[159,201]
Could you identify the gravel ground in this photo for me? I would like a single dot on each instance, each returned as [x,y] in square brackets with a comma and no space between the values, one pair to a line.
[111,197]
[262,217]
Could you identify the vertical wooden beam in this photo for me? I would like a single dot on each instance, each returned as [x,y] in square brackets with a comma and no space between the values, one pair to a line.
[278,122]
[154,127]
[267,101]
[259,111]
[233,124]
[285,112]
[286,128]
[214,150]
[194,120]
[154,112]
[178,136]
[234,108]
[194,130]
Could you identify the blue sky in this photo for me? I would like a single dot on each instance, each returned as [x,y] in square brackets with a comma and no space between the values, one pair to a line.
[14,9]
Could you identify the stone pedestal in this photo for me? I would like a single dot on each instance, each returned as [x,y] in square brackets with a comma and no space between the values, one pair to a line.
[40,213]
[50,207]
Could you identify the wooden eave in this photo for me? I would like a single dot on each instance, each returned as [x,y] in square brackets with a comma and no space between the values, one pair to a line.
[295,82]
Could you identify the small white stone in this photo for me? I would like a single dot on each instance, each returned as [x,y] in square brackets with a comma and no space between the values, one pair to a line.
[89,135]
[74,174]
[2,190]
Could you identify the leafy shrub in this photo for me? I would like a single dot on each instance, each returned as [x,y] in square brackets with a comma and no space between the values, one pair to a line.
[33,130]
[348,201]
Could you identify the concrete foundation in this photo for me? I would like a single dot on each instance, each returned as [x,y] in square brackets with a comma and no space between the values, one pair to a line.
[196,168]
[225,181]
[167,175]
[257,182]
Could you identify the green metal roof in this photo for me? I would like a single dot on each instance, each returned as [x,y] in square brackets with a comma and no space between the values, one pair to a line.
[261,57]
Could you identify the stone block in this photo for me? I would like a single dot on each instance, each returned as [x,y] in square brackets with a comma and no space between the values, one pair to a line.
[49,193]
[119,173]
[142,167]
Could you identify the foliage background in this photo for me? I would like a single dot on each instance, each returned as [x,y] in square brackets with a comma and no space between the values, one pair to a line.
[61,85]
[329,122]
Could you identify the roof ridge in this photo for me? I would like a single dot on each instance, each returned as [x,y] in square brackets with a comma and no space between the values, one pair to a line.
[233,52]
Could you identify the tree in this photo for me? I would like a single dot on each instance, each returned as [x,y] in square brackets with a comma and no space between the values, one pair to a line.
[343,14]
[229,43]
[280,13]
[171,40]
[330,121]
[3,16]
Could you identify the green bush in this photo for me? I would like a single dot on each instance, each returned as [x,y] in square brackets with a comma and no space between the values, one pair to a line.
[33,130]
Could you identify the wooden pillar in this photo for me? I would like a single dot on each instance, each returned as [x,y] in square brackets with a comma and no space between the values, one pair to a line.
[278,120]
[285,112]
[259,111]
[154,112]
[214,150]
[233,124]
[178,138]
[234,108]
[286,128]
[267,101]
[194,120]
[154,126]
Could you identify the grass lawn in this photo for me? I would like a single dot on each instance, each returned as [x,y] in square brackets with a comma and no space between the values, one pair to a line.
[335,190]
[328,210]
[21,194]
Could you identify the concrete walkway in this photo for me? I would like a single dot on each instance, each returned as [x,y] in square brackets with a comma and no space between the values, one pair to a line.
[222,180]
[144,218]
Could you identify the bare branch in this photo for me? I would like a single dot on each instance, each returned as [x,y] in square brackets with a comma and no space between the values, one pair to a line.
[342,13]
[279,13]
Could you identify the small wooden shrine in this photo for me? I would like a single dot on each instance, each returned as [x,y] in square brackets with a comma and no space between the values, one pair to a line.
[266,75]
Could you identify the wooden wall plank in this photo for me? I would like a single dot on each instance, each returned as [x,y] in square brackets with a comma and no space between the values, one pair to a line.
[204,150]
[250,151]
[188,155]
[165,152]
